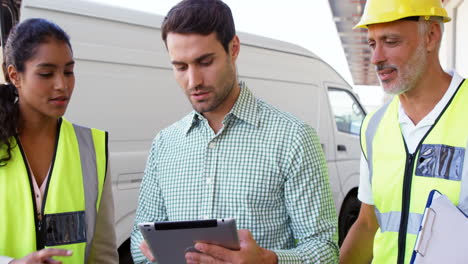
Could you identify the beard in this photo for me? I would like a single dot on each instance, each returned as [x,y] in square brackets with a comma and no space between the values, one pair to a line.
[218,98]
[409,74]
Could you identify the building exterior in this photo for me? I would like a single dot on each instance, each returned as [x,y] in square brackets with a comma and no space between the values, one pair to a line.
[346,14]
[452,53]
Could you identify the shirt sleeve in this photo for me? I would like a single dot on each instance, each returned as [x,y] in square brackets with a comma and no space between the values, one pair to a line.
[104,248]
[309,202]
[150,204]
[365,189]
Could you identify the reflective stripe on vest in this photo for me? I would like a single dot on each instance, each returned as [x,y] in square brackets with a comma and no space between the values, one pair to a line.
[390,221]
[90,180]
[437,166]
[370,132]
[69,212]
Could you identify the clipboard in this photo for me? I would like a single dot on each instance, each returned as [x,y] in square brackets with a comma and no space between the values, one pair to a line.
[443,233]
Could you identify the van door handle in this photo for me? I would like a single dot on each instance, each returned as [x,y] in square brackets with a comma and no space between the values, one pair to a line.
[341,148]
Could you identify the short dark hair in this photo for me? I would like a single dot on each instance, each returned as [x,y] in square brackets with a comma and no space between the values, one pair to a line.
[201,17]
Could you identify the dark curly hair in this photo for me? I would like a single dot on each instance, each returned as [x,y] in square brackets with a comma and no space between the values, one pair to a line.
[22,44]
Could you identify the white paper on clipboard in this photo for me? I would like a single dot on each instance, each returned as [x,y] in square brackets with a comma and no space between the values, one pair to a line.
[443,233]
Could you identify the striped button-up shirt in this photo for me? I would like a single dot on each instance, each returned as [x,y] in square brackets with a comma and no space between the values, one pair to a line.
[265,168]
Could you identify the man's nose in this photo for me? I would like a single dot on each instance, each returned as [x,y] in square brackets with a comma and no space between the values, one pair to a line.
[378,55]
[195,77]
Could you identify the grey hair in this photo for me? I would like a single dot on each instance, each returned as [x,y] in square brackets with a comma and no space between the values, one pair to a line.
[425,23]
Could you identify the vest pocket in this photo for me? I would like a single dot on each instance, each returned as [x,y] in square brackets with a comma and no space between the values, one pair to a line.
[440,161]
[65,228]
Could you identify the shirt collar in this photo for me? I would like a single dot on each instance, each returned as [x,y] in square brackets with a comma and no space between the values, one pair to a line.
[245,109]
[191,121]
[430,118]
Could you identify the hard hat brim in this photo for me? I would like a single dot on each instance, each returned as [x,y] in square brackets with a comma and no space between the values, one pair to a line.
[367,22]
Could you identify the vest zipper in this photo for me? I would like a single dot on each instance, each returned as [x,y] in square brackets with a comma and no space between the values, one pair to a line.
[41,223]
[406,196]
[40,234]
[37,222]
[40,230]
[41,227]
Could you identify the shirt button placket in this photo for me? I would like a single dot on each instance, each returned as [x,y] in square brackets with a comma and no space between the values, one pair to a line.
[209,178]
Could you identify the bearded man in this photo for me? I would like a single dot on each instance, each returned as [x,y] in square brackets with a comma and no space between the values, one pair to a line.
[417,141]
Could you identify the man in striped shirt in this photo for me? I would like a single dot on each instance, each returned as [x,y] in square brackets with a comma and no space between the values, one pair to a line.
[234,156]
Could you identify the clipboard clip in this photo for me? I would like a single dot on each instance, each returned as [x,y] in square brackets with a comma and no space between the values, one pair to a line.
[426,232]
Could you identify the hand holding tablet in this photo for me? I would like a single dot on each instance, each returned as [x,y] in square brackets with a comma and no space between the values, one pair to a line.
[250,252]
[169,241]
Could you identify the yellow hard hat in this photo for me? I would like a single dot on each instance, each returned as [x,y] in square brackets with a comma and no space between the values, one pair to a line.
[381,11]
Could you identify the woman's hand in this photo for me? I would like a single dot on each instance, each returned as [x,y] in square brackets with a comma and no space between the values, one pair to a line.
[43,256]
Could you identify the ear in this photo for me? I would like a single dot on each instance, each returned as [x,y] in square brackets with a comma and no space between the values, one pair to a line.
[433,37]
[14,76]
[234,47]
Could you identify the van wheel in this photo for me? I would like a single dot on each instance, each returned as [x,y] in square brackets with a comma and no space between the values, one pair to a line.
[348,215]
[125,257]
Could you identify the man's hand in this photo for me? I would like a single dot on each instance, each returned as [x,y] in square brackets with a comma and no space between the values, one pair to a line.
[43,256]
[146,251]
[249,252]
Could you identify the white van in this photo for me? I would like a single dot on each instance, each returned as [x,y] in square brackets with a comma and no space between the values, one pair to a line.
[125,85]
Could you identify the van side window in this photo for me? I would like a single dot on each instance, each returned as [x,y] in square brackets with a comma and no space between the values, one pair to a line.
[347,111]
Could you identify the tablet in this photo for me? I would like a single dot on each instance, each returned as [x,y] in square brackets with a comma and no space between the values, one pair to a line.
[169,241]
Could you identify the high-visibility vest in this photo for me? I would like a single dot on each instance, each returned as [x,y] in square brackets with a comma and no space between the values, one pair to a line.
[71,199]
[401,181]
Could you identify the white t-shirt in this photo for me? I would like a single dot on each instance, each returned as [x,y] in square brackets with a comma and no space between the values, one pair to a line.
[411,133]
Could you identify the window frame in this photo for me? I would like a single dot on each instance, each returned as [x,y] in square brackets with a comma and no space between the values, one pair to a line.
[354,98]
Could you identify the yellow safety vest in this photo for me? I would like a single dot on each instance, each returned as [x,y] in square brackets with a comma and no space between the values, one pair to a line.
[401,181]
[71,199]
